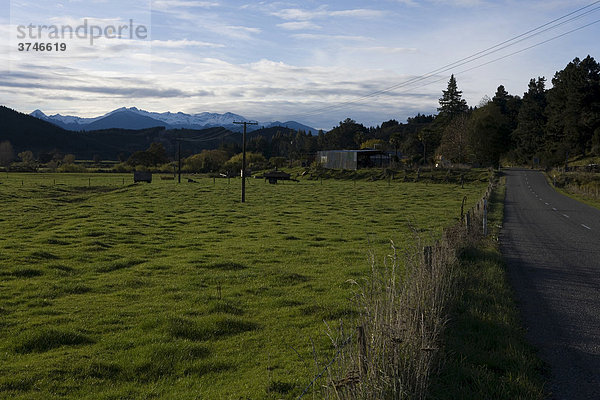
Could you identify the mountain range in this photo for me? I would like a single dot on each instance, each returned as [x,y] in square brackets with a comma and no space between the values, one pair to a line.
[134,118]
[26,132]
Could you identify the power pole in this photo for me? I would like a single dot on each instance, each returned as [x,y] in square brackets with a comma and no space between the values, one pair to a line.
[179,160]
[244,157]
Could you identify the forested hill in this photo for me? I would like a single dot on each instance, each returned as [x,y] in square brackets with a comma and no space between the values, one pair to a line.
[25,132]
[28,133]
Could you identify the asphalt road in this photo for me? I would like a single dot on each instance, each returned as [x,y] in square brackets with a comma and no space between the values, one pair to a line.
[552,247]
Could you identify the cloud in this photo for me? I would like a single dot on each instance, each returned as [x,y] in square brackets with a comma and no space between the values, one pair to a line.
[209,84]
[358,13]
[314,36]
[451,3]
[299,14]
[178,44]
[170,4]
[384,50]
[323,12]
[182,19]
[298,25]
[126,92]
[461,3]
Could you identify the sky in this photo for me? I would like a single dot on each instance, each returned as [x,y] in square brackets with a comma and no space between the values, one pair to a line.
[317,63]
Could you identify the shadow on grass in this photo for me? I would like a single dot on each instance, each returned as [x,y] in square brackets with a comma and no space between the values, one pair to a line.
[24,273]
[164,360]
[208,367]
[290,278]
[225,266]
[16,384]
[224,307]
[47,339]
[117,265]
[211,328]
[280,387]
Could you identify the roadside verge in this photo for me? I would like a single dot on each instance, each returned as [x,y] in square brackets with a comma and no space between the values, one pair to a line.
[485,353]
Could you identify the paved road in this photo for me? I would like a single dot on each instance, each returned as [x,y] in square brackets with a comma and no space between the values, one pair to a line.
[552,247]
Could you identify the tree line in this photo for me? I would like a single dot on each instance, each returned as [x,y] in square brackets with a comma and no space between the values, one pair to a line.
[544,126]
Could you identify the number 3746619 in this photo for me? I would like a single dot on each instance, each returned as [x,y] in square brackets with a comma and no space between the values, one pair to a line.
[45,47]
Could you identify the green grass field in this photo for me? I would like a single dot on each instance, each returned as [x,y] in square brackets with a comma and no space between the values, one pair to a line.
[112,291]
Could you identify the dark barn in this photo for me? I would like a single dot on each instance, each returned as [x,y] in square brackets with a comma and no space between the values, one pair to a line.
[353,159]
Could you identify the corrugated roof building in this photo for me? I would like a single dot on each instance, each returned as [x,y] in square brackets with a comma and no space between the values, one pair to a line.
[353,159]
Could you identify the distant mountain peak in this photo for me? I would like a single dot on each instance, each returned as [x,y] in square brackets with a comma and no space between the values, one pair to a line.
[38,114]
[129,118]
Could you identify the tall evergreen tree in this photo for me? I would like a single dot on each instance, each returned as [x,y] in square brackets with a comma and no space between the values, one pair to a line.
[530,135]
[509,106]
[452,106]
[451,103]
[489,134]
[574,107]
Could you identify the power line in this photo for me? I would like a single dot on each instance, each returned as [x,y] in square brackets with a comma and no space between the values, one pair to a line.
[469,59]
[530,47]
[478,55]
[509,55]
[503,57]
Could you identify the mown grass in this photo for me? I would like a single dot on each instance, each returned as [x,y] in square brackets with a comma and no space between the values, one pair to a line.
[486,355]
[116,291]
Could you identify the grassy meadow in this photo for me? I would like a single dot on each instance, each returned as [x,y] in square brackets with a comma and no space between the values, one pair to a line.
[110,290]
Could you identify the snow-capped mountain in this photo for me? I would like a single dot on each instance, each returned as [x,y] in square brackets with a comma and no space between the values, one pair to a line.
[134,118]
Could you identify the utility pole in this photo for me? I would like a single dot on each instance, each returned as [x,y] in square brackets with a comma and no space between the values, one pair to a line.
[179,160]
[244,157]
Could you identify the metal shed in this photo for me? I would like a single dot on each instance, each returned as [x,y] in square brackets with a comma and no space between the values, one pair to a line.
[353,159]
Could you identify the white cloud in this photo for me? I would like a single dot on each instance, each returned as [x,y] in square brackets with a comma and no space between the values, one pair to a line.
[170,4]
[452,3]
[323,12]
[314,36]
[209,84]
[299,14]
[298,25]
[358,13]
[385,50]
[178,44]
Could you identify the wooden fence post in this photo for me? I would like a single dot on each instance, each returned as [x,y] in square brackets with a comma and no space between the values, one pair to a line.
[362,351]
[428,256]
[485,212]
[468,221]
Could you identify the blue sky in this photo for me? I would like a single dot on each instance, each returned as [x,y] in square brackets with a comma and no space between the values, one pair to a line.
[280,60]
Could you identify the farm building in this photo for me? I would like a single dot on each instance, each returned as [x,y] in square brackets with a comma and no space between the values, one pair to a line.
[353,159]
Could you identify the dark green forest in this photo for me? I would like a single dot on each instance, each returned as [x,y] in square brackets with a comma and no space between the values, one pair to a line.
[544,126]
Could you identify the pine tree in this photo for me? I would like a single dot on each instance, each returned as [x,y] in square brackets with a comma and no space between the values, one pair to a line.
[574,106]
[509,106]
[451,103]
[530,135]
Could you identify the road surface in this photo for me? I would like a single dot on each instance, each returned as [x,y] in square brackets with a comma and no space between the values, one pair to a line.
[552,247]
